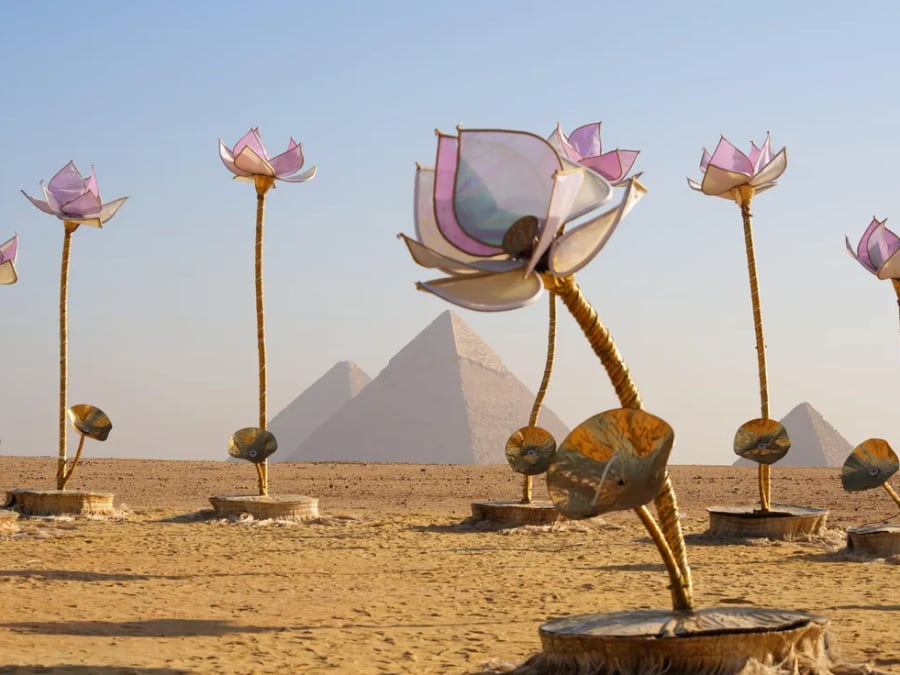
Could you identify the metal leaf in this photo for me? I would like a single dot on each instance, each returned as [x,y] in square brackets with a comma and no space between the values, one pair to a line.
[90,421]
[530,450]
[762,440]
[253,444]
[870,465]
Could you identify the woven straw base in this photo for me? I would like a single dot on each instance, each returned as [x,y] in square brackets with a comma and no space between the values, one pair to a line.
[61,502]
[781,522]
[517,513]
[712,640]
[880,541]
[8,521]
[277,507]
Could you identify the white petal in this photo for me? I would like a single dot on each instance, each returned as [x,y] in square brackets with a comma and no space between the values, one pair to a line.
[566,186]
[8,273]
[577,248]
[427,257]
[301,178]
[110,208]
[595,190]
[228,160]
[891,267]
[771,171]
[40,203]
[487,292]
[694,185]
[252,164]
[719,182]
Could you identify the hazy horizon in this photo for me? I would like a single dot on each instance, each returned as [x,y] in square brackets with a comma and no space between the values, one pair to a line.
[161,316]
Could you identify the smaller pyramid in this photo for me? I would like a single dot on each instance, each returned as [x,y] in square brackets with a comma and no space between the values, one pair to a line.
[814,442]
[315,405]
[445,398]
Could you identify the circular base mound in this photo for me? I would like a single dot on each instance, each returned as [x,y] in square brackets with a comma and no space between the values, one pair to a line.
[881,541]
[8,521]
[278,507]
[710,640]
[61,502]
[517,513]
[781,522]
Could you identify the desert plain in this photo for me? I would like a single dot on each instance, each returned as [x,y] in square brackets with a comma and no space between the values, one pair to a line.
[391,579]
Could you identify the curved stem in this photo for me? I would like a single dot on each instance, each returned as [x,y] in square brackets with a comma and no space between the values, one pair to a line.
[671,543]
[743,195]
[528,482]
[892,493]
[70,227]
[263,183]
[896,283]
[74,463]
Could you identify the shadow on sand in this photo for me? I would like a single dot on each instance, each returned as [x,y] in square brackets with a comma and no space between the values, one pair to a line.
[64,669]
[154,628]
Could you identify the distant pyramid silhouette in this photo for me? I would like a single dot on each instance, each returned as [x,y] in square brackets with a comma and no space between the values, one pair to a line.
[445,398]
[315,405]
[814,442]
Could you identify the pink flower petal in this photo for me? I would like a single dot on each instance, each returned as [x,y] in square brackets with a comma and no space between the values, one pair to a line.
[253,141]
[40,203]
[301,177]
[228,160]
[771,171]
[289,161]
[729,158]
[558,140]
[67,184]
[586,140]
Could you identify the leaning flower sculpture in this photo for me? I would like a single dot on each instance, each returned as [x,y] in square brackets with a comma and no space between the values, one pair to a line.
[879,252]
[584,147]
[490,214]
[8,251]
[733,175]
[250,161]
[75,200]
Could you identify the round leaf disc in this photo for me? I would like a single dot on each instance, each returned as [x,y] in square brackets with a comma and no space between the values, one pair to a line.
[613,461]
[762,441]
[253,444]
[870,464]
[530,450]
[90,421]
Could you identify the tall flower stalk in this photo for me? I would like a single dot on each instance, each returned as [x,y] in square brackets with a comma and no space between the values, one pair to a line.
[730,174]
[492,214]
[249,160]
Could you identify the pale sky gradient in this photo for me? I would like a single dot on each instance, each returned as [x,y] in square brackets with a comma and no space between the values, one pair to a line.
[162,321]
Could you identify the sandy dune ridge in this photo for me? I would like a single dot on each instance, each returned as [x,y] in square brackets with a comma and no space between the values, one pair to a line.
[387,582]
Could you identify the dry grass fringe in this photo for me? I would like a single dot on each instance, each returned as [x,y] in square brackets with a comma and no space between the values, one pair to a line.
[473,524]
[246,520]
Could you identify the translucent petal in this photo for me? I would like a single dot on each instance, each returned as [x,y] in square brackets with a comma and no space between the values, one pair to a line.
[8,273]
[288,162]
[253,141]
[249,162]
[566,185]
[718,181]
[110,209]
[771,171]
[90,184]
[558,140]
[595,191]
[694,185]
[84,206]
[487,292]
[864,262]
[300,178]
[759,157]
[891,267]
[427,257]
[586,140]
[9,249]
[577,248]
[228,160]
[40,203]
[614,165]
[729,158]
[501,176]
[704,160]
[67,184]
[862,249]
[444,210]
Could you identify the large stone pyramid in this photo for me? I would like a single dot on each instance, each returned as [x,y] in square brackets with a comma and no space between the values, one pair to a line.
[315,405]
[814,442]
[445,398]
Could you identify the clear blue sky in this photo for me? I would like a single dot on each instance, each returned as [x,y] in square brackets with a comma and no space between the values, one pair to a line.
[162,332]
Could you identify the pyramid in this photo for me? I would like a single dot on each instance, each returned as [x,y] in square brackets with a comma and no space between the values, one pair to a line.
[814,442]
[315,405]
[445,398]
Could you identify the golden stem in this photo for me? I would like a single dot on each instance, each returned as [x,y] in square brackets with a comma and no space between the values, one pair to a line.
[671,544]
[743,195]
[263,183]
[892,493]
[70,227]
[680,588]
[528,483]
[896,283]
[74,463]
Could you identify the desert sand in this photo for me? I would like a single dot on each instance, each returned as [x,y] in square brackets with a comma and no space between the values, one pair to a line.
[387,581]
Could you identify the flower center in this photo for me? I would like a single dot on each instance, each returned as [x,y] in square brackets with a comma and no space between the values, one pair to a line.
[521,237]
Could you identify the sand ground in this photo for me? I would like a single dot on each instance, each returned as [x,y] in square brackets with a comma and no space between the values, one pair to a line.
[387,582]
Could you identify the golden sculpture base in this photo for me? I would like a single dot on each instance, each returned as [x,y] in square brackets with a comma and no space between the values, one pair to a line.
[276,507]
[878,541]
[8,521]
[781,522]
[709,640]
[514,513]
[61,502]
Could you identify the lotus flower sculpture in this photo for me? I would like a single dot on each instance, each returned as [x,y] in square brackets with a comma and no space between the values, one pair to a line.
[583,146]
[492,214]
[878,252]
[9,249]
[733,175]
[249,160]
[75,200]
